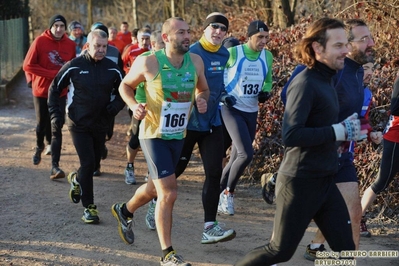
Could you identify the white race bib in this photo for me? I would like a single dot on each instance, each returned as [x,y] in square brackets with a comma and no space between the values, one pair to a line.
[174,117]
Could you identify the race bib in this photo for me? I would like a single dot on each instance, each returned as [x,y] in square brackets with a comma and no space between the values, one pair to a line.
[174,117]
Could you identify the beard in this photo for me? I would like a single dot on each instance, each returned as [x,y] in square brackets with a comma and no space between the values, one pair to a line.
[361,57]
[180,48]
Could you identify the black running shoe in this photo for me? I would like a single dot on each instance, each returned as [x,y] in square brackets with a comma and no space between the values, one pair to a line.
[90,215]
[74,191]
[268,190]
[37,156]
[310,254]
[56,173]
[124,224]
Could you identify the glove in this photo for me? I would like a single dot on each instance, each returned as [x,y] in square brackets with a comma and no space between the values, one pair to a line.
[29,84]
[57,122]
[112,110]
[228,100]
[347,130]
[263,96]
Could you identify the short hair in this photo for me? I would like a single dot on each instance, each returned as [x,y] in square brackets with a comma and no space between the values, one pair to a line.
[144,31]
[167,24]
[350,24]
[125,23]
[317,32]
[112,28]
[96,33]
[135,32]
[154,35]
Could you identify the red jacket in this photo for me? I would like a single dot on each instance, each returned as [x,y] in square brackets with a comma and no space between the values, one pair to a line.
[130,54]
[125,37]
[45,57]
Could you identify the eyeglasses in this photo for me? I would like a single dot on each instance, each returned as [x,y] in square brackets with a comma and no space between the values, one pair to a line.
[217,26]
[365,39]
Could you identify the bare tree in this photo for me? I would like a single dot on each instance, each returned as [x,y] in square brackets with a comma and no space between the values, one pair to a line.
[134,14]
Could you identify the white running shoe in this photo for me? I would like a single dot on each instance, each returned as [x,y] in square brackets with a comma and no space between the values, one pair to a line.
[48,150]
[226,203]
[150,217]
[130,179]
[215,234]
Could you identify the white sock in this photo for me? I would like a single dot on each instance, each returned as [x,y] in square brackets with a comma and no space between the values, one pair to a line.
[314,245]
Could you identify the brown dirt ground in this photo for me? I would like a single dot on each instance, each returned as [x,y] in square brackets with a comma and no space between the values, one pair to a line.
[40,226]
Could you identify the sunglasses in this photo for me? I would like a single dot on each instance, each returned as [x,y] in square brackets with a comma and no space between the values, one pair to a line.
[217,26]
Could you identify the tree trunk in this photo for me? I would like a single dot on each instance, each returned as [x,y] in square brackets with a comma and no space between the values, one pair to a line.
[134,14]
[284,13]
[89,13]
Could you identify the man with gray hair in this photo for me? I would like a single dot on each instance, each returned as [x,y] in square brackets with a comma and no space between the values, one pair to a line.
[95,79]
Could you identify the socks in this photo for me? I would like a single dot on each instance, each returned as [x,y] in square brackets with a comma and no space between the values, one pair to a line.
[129,165]
[167,251]
[126,212]
[314,246]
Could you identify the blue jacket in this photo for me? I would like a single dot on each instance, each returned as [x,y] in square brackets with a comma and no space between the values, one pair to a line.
[214,64]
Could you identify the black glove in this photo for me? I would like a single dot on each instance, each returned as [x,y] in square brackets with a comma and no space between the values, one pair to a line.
[57,122]
[264,96]
[112,109]
[29,84]
[228,100]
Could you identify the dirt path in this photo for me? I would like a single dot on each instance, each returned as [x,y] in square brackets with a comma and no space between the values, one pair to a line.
[40,226]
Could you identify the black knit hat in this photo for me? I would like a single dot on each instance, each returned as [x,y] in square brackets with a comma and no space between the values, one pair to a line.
[230,42]
[56,18]
[99,26]
[256,26]
[216,17]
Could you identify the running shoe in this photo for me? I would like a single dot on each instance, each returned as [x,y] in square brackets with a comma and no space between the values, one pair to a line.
[150,217]
[226,203]
[172,259]
[363,228]
[37,156]
[90,215]
[48,150]
[97,172]
[310,254]
[130,178]
[124,224]
[268,190]
[74,191]
[56,173]
[215,234]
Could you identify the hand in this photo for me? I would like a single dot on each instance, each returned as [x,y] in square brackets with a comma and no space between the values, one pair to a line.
[365,129]
[347,130]
[57,122]
[112,109]
[263,96]
[139,111]
[228,100]
[29,84]
[376,137]
[202,105]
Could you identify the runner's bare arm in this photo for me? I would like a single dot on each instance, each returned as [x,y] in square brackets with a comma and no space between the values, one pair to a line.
[144,68]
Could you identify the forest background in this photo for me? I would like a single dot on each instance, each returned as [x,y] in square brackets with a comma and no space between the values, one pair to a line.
[288,20]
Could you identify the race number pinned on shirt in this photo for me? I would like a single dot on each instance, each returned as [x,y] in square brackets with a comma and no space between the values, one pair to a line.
[174,117]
